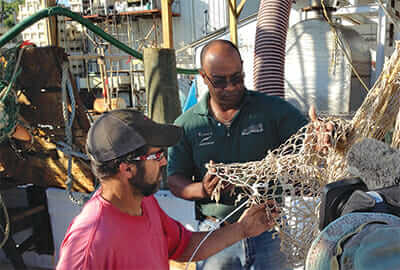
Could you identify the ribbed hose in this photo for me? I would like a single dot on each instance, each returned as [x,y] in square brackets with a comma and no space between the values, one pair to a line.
[269,52]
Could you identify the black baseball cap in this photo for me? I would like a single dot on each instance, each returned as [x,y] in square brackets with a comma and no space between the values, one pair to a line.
[119,132]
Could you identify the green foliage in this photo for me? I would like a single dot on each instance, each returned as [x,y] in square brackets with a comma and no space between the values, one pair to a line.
[9,12]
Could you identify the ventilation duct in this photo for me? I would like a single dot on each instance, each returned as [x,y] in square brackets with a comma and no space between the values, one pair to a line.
[269,52]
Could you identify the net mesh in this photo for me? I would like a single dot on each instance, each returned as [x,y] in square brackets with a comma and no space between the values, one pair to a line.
[293,174]
[8,101]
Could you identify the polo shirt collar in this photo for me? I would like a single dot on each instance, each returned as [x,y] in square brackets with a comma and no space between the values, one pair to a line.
[202,106]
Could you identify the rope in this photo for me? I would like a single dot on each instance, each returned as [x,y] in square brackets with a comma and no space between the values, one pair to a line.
[68,120]
[341,46]
[8,101]
[8,116]
[296,172]
[390,15]
[6,230]
[66,149]
[14,76]
[213,230]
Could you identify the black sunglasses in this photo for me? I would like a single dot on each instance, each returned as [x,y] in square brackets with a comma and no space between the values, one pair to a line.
[224,81]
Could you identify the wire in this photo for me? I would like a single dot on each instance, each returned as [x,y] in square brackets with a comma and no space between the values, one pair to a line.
[6,230]
[389,15]
[341,45]
[213,230]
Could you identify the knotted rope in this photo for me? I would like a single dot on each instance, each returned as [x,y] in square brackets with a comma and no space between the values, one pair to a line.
[294,174]
[9,107]
[67,147]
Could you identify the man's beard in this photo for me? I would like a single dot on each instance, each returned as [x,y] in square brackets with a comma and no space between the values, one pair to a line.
[139,184]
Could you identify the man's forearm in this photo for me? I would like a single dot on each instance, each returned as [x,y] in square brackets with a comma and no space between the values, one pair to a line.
[184,188]
[217,241]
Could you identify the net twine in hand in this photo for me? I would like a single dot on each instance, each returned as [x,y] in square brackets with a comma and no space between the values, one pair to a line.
[293,174]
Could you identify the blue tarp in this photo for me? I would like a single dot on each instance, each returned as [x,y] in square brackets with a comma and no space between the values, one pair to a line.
[191,98]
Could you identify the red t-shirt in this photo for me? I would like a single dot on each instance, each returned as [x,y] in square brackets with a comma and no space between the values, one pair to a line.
[103,237]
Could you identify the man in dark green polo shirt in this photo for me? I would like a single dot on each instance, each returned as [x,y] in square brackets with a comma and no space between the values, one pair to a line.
[230,124]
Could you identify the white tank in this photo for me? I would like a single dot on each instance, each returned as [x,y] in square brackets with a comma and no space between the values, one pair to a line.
[317,72]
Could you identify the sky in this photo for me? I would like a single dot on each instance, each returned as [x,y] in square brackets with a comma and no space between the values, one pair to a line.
[63,2]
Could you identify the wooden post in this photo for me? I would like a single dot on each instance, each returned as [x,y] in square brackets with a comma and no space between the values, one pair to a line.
[233,21]
[234,13]
[166,18]
[240,7]
[160,76]
[104,78]
[163,105]
[52,25]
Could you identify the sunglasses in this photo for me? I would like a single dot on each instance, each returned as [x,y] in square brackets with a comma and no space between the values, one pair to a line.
[158,156]
[224,81]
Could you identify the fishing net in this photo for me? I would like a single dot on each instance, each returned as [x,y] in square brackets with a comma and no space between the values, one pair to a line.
[293,174]
[396,133]
[9,108]
[57,132]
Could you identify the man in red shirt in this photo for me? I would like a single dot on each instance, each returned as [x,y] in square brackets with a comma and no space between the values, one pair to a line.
[122,226]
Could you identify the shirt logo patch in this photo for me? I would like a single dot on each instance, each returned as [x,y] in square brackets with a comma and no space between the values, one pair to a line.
[205,138]
[256,128]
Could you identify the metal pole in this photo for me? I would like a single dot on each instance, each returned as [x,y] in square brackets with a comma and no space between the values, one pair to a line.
[233,21]
[380,43]
[166,18]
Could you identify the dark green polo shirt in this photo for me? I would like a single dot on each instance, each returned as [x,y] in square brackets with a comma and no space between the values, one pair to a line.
[263,123]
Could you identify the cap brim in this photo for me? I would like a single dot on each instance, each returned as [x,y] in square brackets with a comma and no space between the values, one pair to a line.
[323,248]
[163,135]
[119,132]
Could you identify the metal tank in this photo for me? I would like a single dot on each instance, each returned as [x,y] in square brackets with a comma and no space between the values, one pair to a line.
[317,72]
[301,4]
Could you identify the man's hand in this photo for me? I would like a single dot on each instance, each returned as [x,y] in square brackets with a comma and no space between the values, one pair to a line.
[210,183]
[322,130]
[253,222]
[256,220]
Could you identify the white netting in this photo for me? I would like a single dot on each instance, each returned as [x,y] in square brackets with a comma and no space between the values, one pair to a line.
[294,174]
